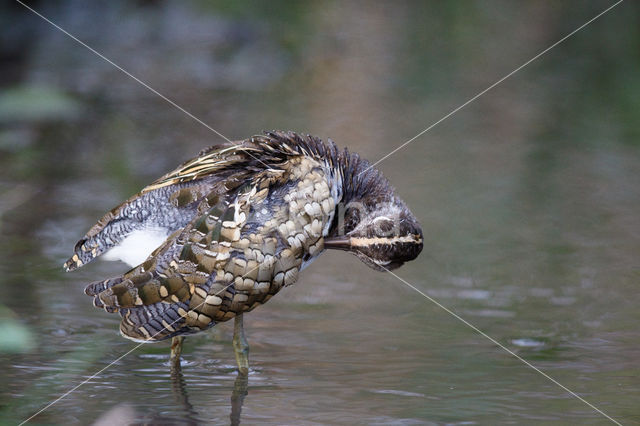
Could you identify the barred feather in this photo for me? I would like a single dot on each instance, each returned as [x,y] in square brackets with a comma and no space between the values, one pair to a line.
[243,220]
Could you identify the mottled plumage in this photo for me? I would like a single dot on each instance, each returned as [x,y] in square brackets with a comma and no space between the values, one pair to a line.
[241,221]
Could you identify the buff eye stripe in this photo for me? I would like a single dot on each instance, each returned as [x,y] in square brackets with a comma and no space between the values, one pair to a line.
[364,242]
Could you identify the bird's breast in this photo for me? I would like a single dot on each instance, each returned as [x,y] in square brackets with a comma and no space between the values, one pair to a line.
[282,232]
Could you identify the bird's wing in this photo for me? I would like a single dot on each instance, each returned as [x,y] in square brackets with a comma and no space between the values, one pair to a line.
[155,297]
[163,207]
[210,161]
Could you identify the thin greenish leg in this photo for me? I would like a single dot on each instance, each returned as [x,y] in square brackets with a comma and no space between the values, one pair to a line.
[240,346]
[176,349]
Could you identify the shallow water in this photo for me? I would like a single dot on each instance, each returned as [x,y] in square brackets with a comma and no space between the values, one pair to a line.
[528,200]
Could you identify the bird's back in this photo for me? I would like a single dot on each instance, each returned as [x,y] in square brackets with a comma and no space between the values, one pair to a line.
[240,220]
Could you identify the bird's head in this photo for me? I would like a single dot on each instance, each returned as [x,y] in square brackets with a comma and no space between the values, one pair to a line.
[384,234]
[372,222]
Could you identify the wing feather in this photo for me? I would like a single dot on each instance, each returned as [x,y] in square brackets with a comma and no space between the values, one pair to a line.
[209,162]
[153,298]
[168,204]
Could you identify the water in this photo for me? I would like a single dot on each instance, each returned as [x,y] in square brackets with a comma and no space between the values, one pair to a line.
[528,199]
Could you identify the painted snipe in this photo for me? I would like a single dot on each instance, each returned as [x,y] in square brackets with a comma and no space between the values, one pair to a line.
[225,231]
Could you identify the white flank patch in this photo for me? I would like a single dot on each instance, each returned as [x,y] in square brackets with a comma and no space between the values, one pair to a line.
[137,246]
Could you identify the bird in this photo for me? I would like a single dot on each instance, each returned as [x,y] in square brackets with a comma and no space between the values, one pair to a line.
[227,230]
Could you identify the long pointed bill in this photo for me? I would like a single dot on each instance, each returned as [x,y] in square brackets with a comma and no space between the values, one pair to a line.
[338,243]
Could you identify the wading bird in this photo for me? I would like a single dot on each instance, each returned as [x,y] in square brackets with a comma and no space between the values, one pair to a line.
[225,231]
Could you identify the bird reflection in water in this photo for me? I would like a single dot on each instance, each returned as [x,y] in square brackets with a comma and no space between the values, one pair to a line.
[179,389]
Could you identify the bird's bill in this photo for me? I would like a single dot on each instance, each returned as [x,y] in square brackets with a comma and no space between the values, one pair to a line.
[338,243]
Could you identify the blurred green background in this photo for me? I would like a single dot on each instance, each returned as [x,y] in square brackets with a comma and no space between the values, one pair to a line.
[528,198]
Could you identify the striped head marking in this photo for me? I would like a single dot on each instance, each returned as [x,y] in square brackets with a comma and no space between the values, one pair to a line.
[382,232]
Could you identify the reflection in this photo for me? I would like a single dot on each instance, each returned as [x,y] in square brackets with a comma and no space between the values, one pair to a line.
[120,414]
[240,391]
[179,389]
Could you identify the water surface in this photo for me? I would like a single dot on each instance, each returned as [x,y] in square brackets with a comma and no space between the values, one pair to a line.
[528,198]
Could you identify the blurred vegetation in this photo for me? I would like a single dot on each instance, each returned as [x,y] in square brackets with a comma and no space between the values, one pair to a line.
[14,336]
[528,197]
[287,20]
[36,104]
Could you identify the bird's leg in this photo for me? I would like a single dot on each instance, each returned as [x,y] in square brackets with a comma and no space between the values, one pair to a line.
[176,349]
[240,346]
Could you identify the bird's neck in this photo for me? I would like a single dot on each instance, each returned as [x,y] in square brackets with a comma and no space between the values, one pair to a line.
[360,181]
[354,183]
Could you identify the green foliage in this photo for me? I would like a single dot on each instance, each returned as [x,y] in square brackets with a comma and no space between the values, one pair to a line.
[36,103]
[15,337]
